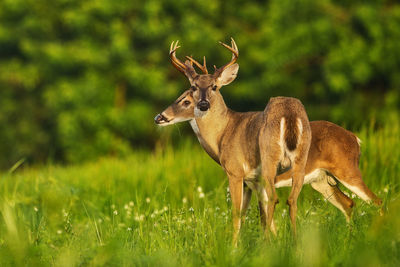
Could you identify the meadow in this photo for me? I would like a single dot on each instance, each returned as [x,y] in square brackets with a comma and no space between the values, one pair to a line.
[171,207]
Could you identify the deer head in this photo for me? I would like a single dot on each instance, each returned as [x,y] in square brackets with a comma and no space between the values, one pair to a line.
[205,87]
[181,110]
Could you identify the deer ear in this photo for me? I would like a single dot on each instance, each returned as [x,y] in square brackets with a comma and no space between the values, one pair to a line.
[190,72]
[228,75]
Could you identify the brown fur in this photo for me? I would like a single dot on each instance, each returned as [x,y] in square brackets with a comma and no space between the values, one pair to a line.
[242,142]
[292,132]
[276,153]
[330,145]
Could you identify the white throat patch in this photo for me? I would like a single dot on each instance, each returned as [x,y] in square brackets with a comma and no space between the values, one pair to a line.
[198,113]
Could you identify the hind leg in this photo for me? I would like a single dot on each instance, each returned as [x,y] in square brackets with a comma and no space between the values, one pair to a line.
[332,193]
[353,181]
[270,198]
[297,184]
[263,207]
[246,201]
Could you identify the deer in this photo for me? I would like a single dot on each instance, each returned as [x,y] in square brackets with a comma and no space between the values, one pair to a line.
[247,144]
[333,159]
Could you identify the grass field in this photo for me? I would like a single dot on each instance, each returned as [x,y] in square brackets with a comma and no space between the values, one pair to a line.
[171,208]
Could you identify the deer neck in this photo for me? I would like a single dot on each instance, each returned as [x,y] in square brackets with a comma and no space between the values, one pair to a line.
[211,126]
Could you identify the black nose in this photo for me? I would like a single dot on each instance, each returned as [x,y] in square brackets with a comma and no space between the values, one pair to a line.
[203,105]
[159,118]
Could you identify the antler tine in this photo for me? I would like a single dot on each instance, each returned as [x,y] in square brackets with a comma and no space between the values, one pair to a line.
[175,61]
[235,53]
[203,67]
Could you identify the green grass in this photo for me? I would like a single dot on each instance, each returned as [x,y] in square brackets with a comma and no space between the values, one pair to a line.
[146,210]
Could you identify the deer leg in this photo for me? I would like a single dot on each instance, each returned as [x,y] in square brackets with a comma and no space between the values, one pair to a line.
[297,184]
[263,204]
[236,190]
[271,198]
[246,201]
[354,182]
[336,197]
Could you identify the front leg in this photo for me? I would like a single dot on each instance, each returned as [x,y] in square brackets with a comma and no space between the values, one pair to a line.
[236,190]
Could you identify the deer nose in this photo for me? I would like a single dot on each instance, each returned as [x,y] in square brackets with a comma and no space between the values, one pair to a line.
[159,118]
[203,105]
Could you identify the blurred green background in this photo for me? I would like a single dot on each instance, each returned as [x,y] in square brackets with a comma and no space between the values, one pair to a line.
[84,79]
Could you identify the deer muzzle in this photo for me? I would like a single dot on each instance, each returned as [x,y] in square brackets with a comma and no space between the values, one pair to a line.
[159,119]
[203,105]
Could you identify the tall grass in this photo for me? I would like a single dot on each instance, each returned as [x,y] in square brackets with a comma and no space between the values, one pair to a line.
[171,207]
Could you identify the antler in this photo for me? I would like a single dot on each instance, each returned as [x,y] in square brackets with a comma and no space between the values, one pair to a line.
[235,54]
[179,65]
[203,67]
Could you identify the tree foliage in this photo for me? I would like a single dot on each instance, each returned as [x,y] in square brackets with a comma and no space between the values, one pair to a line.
[81,79]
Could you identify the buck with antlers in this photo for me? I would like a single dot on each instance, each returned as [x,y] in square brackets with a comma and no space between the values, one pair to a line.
[333,158]
[247,144]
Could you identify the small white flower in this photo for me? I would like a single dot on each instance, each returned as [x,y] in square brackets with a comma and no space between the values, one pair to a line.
[199,189]
[126,206]
[217,208]
[284,213]
[129,229]
[131,203]
[386,189]
[35,209]
[152,215]
[191,209]
[201,195]
[147,200]
[115,212]
[165,208]
[184,200]
[59,232]
[113,206]
[139,218]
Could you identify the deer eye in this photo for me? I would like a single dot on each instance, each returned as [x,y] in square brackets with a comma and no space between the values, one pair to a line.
[193,88]
[186,103]
[214,87]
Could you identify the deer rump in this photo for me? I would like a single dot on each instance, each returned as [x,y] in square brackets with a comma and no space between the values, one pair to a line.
[291,128]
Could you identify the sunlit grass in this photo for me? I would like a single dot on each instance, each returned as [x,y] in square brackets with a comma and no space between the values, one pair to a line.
[171,207]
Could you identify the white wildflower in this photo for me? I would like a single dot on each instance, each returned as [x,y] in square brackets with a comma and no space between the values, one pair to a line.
[131,203]
[165,208]
[199,189]
[59,231]
[35,209]
[113,206]
[386,189]
[115,212]
[147,200]
[191,209]
[184,200]
[126,206]
[201,195]
[129,229]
